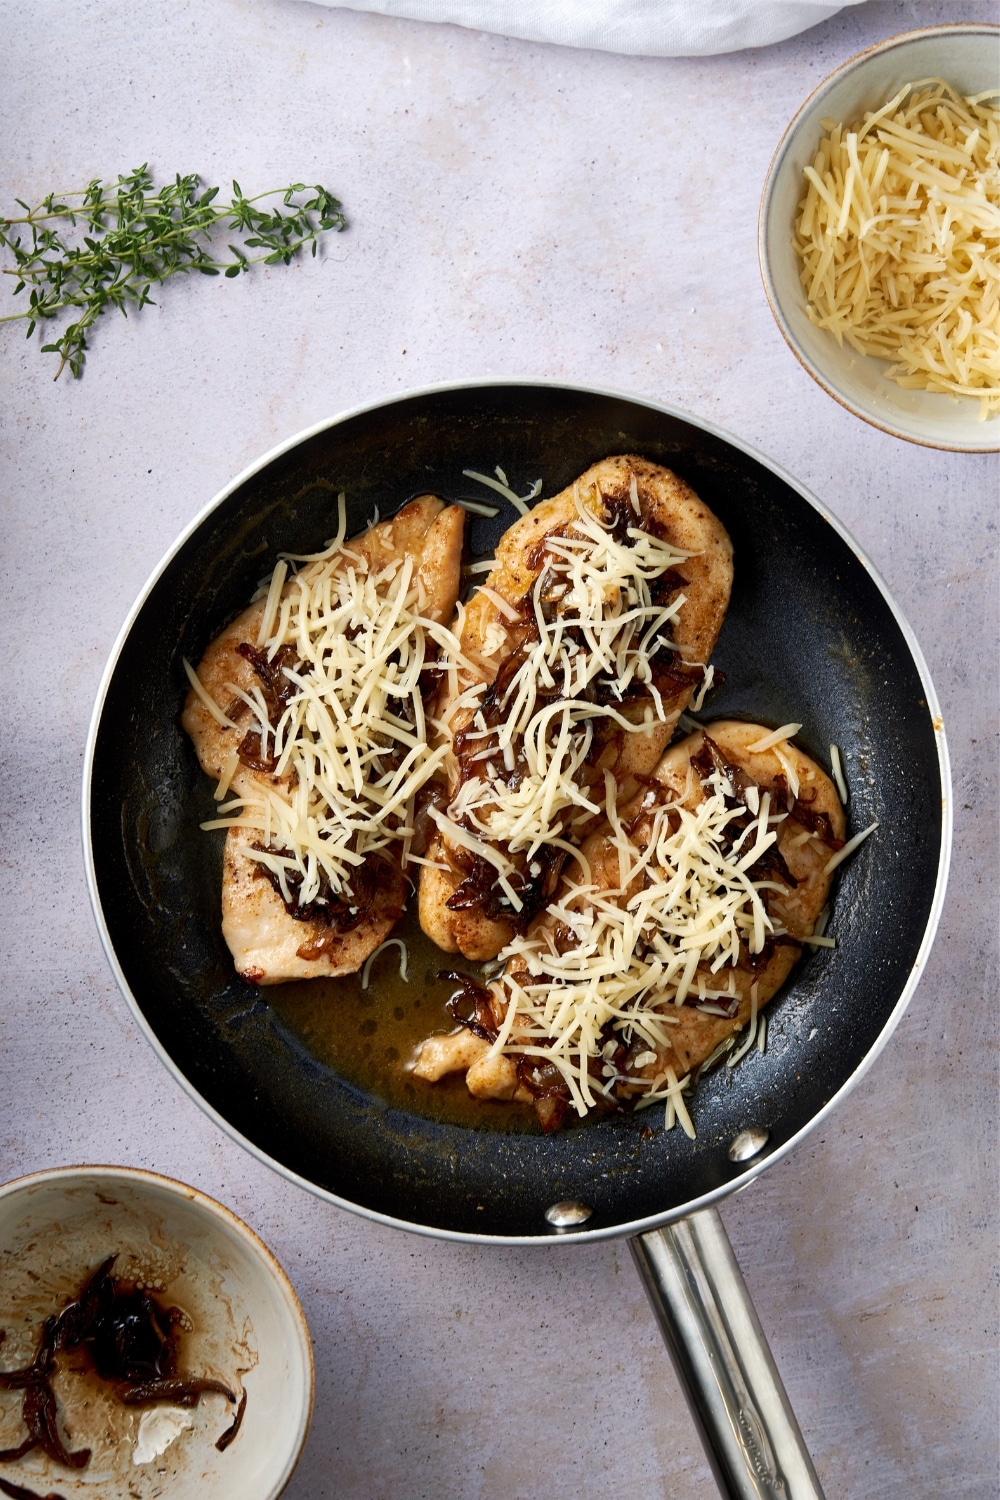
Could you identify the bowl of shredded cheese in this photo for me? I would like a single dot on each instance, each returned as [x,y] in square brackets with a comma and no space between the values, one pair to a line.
[879,236]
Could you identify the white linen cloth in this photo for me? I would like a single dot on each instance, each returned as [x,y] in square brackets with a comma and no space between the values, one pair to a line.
[652,28]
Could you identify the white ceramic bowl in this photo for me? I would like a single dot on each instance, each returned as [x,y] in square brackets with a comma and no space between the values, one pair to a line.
[968,57]
[246,1329]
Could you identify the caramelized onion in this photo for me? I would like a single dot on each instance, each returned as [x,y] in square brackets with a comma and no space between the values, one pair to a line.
[131,1342]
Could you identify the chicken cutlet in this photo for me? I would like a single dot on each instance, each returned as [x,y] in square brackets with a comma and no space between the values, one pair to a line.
[578,655]
[308,711]
[684,915]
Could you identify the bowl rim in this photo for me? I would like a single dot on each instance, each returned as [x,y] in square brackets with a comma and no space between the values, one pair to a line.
[967,28]
[143,1177]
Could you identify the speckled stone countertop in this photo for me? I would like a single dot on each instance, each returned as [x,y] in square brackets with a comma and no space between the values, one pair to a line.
[514,210]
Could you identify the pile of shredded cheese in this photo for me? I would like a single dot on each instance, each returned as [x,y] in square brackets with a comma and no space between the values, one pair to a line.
[351,745]
[627,957]
[593,619]
[899,236]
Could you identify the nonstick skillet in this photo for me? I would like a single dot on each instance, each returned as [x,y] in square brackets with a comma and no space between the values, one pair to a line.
[811,635]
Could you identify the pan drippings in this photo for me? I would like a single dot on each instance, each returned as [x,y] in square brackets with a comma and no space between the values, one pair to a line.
[369,1037]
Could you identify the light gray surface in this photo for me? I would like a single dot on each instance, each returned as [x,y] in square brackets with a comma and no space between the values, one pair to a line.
[522,210]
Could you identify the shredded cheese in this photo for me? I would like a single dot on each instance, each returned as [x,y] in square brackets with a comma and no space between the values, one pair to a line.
[899,236]
[849,848]
[776,737]
[762,1035]
[751,1035]
[522,504]
[350,745]
[593,630]
[628,956]
[205,696]
[676,1108]
[790,773]
[838,774]
[699,696]
[273,598]
[229,769]
[372,957]
[475,508]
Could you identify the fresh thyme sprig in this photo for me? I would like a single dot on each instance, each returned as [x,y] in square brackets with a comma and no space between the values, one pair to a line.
[136,236]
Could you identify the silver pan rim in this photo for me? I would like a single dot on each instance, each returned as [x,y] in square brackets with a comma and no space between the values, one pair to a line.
[755,1169]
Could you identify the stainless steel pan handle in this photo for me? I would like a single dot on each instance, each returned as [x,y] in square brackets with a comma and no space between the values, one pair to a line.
[732,1384]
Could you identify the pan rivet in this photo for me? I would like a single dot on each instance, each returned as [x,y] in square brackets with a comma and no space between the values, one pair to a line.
[748,1144]
[569,1214]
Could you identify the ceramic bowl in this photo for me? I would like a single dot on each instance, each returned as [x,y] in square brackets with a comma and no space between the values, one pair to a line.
[968,57]
[243,1326]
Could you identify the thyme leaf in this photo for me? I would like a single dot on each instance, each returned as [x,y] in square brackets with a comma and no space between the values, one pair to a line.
[134,236]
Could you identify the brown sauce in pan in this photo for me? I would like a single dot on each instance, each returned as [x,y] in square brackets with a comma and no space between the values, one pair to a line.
[370,1037]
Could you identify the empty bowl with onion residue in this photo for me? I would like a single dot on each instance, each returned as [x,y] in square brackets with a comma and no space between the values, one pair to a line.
[152,1345]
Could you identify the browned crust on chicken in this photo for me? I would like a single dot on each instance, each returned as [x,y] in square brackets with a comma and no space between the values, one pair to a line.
[666,503]
[269,944]
[471,933]
[696,1035]
[667,506]
[425,529]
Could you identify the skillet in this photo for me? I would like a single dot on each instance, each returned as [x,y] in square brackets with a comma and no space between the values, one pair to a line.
[811,635]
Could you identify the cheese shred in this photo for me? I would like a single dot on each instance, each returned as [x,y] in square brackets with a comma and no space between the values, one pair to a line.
[373,957]
[848,848]
[522,504]
[776,737]
[837,768]
[347,744]
[205,696]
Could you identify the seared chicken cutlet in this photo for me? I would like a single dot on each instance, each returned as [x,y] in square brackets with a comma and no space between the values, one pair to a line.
[578,655]
[426,530]
[272,941]
[683,916]
[317,735]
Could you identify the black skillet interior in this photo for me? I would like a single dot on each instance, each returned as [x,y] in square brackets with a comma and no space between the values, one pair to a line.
[808,637]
